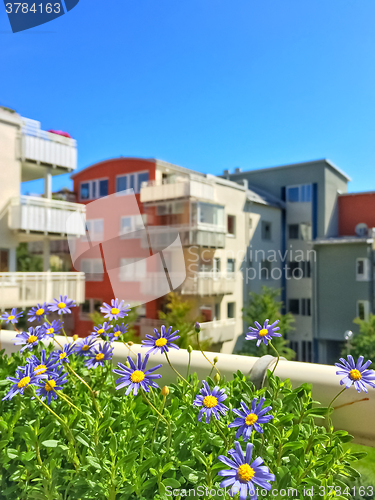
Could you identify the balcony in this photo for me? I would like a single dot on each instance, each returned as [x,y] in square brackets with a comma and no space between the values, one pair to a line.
[209,283]
[27,289]
[200,234]
[179,188]
[40,148]
[46,216]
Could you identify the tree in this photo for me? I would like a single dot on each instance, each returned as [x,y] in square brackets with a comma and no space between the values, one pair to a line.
[27,262]
[363,343]
[262,306]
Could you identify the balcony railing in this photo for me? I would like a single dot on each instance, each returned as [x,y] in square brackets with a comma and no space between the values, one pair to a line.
[179,188]
[29,213]
[28,289]
[39,146]
[209,283]
[208,235]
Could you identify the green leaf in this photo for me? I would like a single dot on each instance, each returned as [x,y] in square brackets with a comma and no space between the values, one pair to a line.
[189,473]
[199,455]
[50,443]
[169,481]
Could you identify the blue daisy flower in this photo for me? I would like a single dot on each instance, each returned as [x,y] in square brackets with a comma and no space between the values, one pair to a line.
[97,357]
[44,364]
[53,329]
[102,329]
[263,333]
[116,310]
[212,403]
[12,317]
[118,331]
[243,473]
[162,341]
[62,355]
[29,339]
[63,305]
[36,313]
[85,346]
[356,373]
[247,419]
[47,388]
[136,376]
[25,376]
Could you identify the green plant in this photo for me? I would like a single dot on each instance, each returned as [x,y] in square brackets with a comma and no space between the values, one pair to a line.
[27,262]
[364,341]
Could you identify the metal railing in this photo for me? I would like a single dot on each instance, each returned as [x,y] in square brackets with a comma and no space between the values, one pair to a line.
[209,283]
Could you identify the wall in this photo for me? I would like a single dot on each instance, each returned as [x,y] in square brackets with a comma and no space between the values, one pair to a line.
[353,209]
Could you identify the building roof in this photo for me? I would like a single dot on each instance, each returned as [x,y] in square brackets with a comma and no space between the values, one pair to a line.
[342,240]
[256,195]
[305,163]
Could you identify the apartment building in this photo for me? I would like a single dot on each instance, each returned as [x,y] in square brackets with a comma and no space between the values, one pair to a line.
[26,153]
[309,192]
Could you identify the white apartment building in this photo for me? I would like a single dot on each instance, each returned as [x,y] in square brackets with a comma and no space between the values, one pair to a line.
[26,153]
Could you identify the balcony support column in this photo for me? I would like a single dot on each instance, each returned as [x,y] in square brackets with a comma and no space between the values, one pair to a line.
[46,255]
[48,184]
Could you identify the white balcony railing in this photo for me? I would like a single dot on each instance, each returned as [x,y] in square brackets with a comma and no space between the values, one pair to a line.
[209,235]
[27,289]
[47,148]
[209,283]
[30,213]
[179,188]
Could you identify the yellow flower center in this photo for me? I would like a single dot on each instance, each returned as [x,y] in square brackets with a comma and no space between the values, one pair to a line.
[50,330]
[100,331]
[251,419]
[160,342]
[117,334]
[40,369]
[137,376]
[85,347]
[23,382]
[263,332]
[114,310]
[61,305]
[63,355]
[245,473]
[32,339]
[40,311]
[11,317]
[99,356]
[210,401]
[355,375]
[50,385]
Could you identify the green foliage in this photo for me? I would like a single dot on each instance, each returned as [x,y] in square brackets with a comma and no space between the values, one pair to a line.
[262,306]
[27,262]
[364,341]
[123,455]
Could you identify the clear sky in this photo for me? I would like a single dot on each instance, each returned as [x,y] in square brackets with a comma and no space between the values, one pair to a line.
[205,84]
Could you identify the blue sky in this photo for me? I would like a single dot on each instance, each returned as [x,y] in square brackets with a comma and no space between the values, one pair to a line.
[206,84]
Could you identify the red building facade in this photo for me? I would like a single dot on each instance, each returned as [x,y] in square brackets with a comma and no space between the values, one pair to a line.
[355,208]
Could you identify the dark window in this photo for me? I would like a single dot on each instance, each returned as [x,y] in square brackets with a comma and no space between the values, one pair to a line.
[121,183]
[291,269]
[4,261]
[93,188]
[306,307]
[265,270]
[85,307]
[293,231]
[293,194]
[217,311]
[85,191]
[306,192]
[103,188]
[231,309]
[231,224]
[142,178]
[360,266]
[306,351]
[266,230]
[294,346]
[294,306]
[306,269]
[230,266]
[132,183]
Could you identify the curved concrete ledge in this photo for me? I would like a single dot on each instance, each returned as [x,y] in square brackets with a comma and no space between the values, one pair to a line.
[357,417]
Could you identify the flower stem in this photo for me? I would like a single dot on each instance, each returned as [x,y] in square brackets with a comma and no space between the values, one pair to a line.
[157,423]
[160,416]
[188,368]
[89,388]
[221,432]
[212,364]
[278,357]
[179,374]
[62,396]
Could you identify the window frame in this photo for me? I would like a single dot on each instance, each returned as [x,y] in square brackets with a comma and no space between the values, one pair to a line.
[366,309]
[231,304]
[365,276]
[263,231]
[232,235]
[91,183]
[131,177]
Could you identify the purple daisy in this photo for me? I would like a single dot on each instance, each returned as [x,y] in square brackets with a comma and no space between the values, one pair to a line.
[85,346]
[47,388]
[62,355]
[247,419]
[52,329]
[12,317]
[212,403]
[161,341]
[243,473]
[118,331]
[25,376]
[263,333]
[137,376]
[102,329]
[29,339]
[116,310]
[44,364]
[36,313]
[97,357]
[63,305]
[356,374]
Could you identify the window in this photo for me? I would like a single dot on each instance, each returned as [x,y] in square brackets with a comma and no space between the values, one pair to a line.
[217,311]
[294,306]
[103,188]
[231,263]
[231,225]
[294,345]
[293,194]
[266,230]
[89,307]
[131,181]
[132,269]
[231,309]
[121,183]
[307,351]
[306,232]
[306,307]
[91,190]
[299,193]
[363,309]
[293,270]
[130,224]
[93,269]
[217,265]
[142,178]
[85,191]
[265,270]
[4,261]
[95,230]
[306,268]
[293,231]
[362,270]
